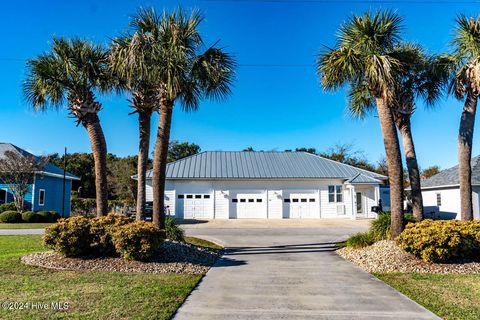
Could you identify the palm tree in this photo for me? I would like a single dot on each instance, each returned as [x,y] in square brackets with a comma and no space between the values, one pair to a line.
[466,85]
[68,76]
[186,74]
[421,76]
[133,61]
[362,58]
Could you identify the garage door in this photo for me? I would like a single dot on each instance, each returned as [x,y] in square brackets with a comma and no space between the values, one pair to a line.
[196,206]
[248,206]
[300,205]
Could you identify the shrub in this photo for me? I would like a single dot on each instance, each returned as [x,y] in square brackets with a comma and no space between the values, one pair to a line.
[138,240]
[102,230]
[54,216]
[380,227]
[360,240]
[69,237]
[173,231]
[441,241]
[30,217]
[10,217]
[10,206]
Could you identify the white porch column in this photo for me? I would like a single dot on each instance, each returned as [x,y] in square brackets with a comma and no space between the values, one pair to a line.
[354,202]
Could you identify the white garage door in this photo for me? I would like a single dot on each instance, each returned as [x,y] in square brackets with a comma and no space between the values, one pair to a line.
[248,206]
[297,205]
[196,206]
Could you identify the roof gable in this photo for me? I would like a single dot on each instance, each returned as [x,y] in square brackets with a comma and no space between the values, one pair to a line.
[261,165]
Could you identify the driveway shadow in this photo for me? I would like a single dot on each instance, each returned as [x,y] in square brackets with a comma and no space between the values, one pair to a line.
[279,249]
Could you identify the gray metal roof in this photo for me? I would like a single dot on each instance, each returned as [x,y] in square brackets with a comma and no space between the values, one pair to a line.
[48,168]
[261,165]
[362,178]
[449,177]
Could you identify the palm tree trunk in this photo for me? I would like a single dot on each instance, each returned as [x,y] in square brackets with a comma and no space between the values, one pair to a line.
[465,138]
[144,142]
[405,128]
[394,162]
[91,122]
[160,163]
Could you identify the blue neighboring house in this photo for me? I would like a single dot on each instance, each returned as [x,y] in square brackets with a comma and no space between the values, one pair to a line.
[46,190]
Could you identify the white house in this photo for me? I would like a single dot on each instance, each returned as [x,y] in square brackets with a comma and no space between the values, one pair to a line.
[267,185]
[441,193]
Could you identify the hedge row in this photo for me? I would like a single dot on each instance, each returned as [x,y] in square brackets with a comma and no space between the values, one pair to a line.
[13,216]
[112,235]
[442,240]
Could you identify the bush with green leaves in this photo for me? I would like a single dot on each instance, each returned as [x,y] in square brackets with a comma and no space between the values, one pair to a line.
[442,240]
[10,206]
[30,217]
[69,237]
[360,240]
[102,230]
[10,217]
[173,230]
[138,240]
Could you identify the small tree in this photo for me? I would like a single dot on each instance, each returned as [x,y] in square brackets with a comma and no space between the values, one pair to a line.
[17,171]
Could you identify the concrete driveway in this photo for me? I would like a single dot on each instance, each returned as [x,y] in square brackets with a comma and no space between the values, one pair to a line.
[289,270]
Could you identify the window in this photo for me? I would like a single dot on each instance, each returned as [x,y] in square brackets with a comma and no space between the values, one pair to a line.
[335,194]
[41,197]
[243,200]
[234,200]
[206,196]
[439,199]
[286,200]
[181,196]
[251,200]
[198,196]
[189,196]
[294,200]
[259,200]
[303,200]
[311,200]
[3,195]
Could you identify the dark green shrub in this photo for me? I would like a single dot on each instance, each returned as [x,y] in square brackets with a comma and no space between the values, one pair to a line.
[54,216]
[48,216]
[30,217]
[360,240]
[441,240]
[10,217]
[138,240]
[102,230]
[173,231]
[380,227]
[69,237]
[10,206]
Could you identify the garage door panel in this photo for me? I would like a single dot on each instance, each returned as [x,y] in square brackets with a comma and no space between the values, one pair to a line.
[248,205]
[298,205]
[196,206]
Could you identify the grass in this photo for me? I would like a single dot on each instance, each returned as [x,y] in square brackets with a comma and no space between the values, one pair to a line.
[202,243]
[449,296]
[90,295]
[24,225]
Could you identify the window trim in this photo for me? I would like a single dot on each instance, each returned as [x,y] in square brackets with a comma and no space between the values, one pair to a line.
[40,197]
[335,193]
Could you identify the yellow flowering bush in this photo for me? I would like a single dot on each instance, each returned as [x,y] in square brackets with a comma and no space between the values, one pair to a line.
[442,240]
[138,240]
[69,237]
[102,229]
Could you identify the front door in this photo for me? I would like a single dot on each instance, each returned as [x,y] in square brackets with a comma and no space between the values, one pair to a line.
[359,202]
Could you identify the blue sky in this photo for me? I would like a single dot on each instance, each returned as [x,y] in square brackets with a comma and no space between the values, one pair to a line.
[277,102]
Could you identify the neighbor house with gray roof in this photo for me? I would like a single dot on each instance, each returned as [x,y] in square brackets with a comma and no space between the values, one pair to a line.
[46,191]
[441,193]
[267,185]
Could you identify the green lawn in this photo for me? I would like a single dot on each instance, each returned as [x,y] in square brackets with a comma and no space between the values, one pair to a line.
[91,295]
[202,243]
[449,296]
[24,225]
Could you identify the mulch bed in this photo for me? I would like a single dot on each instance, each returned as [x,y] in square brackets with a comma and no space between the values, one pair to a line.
[174,257]
[386,256]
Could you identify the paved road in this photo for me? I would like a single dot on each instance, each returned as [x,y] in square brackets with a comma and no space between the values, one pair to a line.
[289,270]
[9,232]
